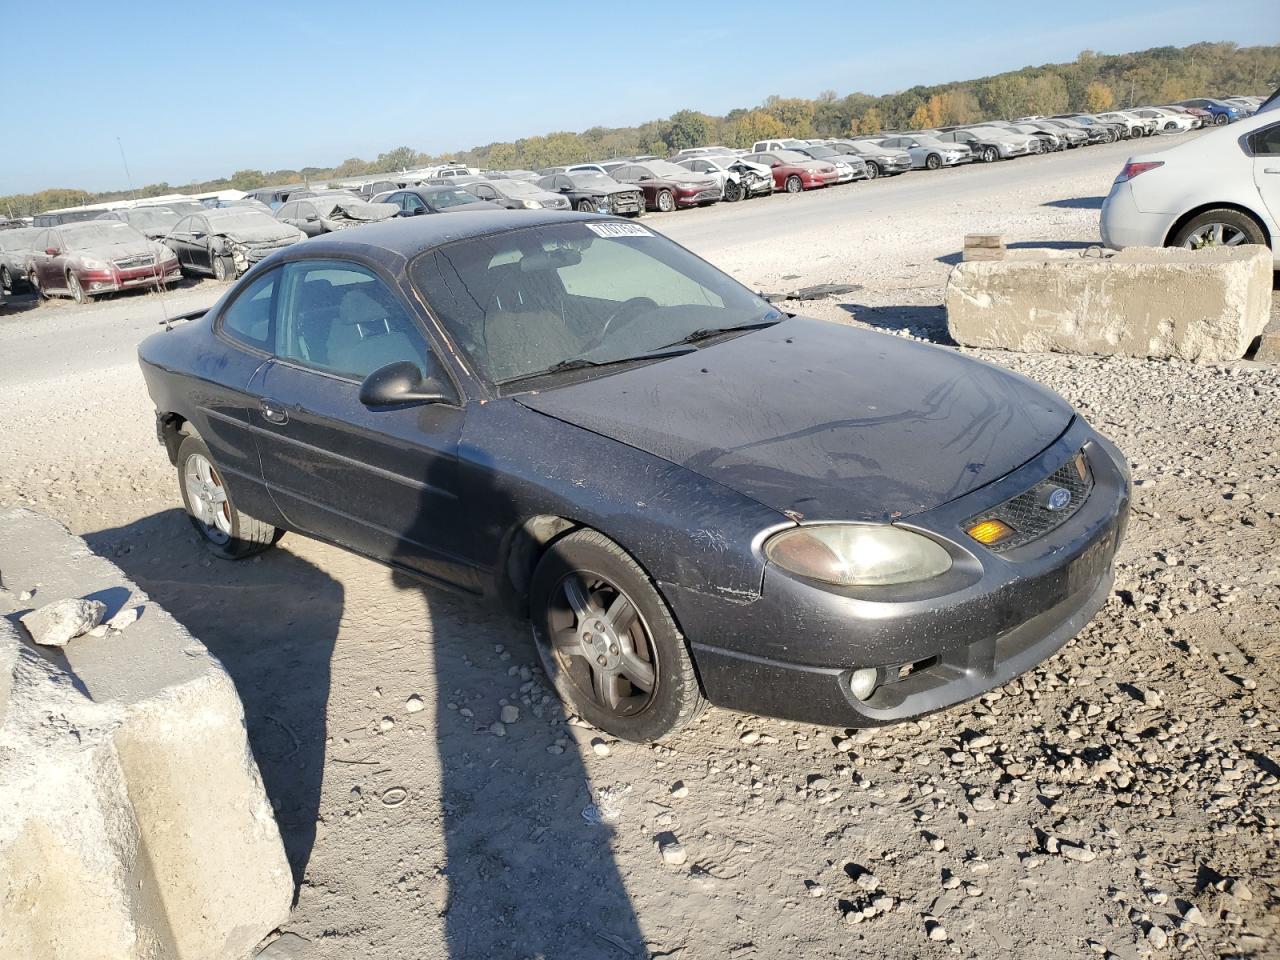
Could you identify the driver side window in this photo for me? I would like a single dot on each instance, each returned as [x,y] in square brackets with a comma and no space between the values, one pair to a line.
[342,319]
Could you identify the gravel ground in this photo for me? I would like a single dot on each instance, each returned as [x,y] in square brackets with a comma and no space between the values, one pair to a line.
[1120,800]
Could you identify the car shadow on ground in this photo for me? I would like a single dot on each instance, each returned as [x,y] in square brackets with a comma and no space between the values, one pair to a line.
[273,623]
[1076,203]
[526,874]
[952,259]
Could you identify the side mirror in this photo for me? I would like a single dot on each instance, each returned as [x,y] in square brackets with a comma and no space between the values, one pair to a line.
[197,234]
[403,382]
[51,251]
[420,211]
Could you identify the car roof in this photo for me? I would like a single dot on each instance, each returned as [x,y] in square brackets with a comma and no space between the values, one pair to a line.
[409,236]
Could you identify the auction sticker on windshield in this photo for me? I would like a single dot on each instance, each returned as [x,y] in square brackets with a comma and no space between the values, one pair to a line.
[618,230]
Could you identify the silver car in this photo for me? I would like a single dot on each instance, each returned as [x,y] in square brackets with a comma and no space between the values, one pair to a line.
[848,165]
[15,255]
[517,195]
[927,152]
[330,212]
[992,143]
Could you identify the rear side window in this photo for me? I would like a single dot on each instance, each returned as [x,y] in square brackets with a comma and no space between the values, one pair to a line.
[1266,143]
[248,317]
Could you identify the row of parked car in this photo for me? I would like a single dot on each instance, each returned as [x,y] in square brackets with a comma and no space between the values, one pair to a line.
[65,254]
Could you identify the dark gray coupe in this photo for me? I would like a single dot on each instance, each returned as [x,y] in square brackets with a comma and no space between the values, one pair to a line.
[692,496]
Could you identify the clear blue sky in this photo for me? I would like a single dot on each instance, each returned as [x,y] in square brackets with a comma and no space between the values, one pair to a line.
[198,90]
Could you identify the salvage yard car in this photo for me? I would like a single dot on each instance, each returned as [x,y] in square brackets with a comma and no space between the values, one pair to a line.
[693,496]
[15,255]
[592,192]
[517,195]
[666,185]
[794,172]
[928,152]
[332,211]
[431,199]
[738,179]
[224,242]
[82,260]
[1220,189]
[152,222]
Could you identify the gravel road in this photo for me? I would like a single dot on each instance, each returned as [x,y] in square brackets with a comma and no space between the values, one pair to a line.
[1121,800]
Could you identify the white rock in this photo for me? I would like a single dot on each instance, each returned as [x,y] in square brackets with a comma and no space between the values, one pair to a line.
[498,729]
[509,714]
[415,705]
[867,881]
[679,790]
[1157,937]
[386,723]
[1193,915]
[600,748]
[674,854]
[58,623]
[750,737]
[936,930]
[125,617]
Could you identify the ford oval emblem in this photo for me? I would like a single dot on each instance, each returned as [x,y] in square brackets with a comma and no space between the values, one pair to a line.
[1059,498]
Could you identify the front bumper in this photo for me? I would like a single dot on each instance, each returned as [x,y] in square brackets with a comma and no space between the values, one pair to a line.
[791,652]
[691,199]
[116,279]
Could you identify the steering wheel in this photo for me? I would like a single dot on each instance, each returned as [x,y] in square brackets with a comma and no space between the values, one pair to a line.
[626,314]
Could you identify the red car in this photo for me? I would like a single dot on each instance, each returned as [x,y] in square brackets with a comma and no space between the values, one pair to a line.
[793,171]
[82,260]
[666,186]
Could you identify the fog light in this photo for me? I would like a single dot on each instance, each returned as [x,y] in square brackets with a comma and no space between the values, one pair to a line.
[863,682]
[990,531]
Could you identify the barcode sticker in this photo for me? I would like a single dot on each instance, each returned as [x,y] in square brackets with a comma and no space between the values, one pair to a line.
[618,230]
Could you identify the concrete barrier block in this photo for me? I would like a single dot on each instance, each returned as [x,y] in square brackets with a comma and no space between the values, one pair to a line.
[1207,305]
[133,821]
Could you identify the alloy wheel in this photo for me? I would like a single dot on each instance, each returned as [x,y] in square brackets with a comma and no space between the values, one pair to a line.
[207,497]
[602,643]
[1215,234]
[77,291]
[666,202]
[219,267]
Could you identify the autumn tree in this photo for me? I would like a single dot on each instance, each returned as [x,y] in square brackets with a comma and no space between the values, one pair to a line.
[756,125]
[870,122]
[248,179]
[1098,97]
[922,119]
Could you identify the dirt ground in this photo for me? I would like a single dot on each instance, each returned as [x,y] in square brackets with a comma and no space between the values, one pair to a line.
[1120,800]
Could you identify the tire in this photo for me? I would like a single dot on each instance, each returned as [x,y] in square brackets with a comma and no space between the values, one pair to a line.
[1171,125]
[573,637]
[226,533]
[933,161]
[586,206]
[990,154]
[732,191]
[1219,227]
[224,268]
[794,184]
[873,170]
[77,291]
[666,202]
[34,283]
[1221,120]
[6,281]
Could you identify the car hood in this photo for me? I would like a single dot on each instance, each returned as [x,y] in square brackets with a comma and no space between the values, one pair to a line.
[266,233]
[134,247]
[825,420]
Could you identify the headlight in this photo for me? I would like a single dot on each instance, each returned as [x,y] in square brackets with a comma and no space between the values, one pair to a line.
[530,204]
[850,555]
[91,264]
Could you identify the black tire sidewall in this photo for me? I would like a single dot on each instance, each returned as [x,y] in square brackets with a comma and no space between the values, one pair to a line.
[584,206]
[674,702]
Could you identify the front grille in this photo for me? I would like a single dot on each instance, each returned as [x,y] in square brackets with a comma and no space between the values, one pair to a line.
[1027,514]
[624,202]
[128,263]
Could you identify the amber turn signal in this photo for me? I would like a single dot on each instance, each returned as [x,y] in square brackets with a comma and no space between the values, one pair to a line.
[990,531]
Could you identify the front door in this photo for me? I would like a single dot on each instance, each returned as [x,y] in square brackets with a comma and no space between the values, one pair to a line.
[383,482]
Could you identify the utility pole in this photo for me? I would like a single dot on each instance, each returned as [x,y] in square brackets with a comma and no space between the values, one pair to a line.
[127,175]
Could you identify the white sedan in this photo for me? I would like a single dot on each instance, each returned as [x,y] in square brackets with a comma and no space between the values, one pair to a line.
[1168,121]
[1221,189]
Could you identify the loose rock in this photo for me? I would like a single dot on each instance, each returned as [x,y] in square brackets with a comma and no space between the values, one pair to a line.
[57,624]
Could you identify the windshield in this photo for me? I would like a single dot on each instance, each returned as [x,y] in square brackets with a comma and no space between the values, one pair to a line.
[440,199]
[151,218]
[597,180]
[522,302]
[790,156]
[232,218]
[661,168]
[81,236]
[519,188]
[821,153]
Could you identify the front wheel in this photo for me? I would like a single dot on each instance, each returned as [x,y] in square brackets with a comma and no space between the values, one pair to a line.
[732,191]
[990,154]
[1221,119]
[586,206]
[933,161]
[608,642]
[666,201]
[224,268]
[6,281]
[223,529]
[75,289]
[873,171]
[33,281]
[794,184]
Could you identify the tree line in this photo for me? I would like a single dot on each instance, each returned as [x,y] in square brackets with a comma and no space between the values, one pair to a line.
[1093,82]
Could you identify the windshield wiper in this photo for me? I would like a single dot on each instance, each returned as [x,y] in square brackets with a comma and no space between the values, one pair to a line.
[582,363]
[707,333]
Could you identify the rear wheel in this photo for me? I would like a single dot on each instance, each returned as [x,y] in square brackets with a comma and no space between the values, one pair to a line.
[74,288]
[666,201]
[1218,228]
[873,170]
[608,641]
[794,184]
[933,161]
[223,529]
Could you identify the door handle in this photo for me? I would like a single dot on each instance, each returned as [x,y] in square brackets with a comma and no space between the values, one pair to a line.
[273,412]
[1271,169]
